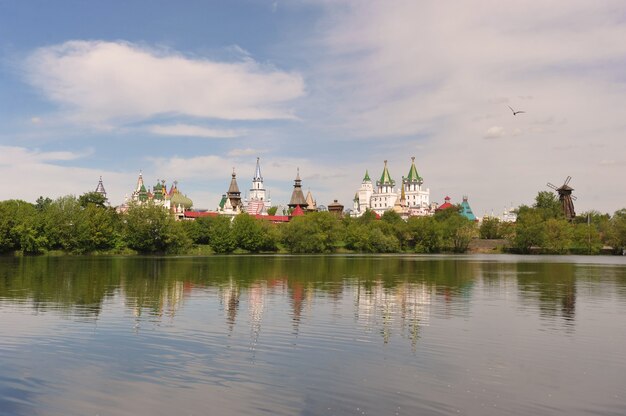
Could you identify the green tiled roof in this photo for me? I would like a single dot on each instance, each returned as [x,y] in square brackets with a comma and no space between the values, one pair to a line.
[466,211]
[413,176]
[367,176]
[385,178]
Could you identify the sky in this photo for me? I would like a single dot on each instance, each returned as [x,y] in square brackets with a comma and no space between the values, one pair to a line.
[187,91]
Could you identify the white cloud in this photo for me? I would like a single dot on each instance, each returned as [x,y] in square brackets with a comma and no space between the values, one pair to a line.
[105,82]
[443,74]
[190,130]
[245,152]
[494,132]
[34,173]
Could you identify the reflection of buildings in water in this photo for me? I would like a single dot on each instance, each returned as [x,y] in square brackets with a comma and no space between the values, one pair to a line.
[172,298]
[256,305]
[404,307]
[230,299]
[168,302]
[297,302]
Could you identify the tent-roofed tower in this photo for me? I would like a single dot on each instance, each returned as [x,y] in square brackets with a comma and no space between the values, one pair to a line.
[466,210]
[297,197]
[100,189]
[413,181]
[140,194]
[311,203]
[259,200]
[385,184]
[384,198]
[417,198]
[233,194]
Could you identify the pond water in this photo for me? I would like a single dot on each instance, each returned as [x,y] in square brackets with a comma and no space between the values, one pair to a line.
[313,335]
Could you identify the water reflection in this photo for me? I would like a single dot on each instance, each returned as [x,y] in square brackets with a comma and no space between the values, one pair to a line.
[552,285]
[311,335]
[390,293]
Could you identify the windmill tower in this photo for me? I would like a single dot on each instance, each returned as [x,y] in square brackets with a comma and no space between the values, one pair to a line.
[566,197]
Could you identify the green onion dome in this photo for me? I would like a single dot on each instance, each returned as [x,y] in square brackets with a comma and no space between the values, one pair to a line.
[179,199]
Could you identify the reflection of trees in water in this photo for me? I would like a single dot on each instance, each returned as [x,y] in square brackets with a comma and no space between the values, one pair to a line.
[393,295]
[551,285]
[76,285]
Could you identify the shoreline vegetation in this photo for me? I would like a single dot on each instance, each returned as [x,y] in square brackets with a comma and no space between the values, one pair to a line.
[86,225]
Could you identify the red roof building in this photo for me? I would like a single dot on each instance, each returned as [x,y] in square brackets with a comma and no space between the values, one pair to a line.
[297,211]
[446,204]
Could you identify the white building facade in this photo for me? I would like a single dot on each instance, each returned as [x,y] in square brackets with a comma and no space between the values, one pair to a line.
[411,199]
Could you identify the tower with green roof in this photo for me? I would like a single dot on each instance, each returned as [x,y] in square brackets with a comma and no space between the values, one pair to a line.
[417,198]
[384,197]
[364,195]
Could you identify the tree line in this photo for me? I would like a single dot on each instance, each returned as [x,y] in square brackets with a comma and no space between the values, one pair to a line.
[86,224]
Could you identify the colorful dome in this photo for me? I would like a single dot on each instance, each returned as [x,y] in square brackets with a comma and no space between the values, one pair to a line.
[179,199]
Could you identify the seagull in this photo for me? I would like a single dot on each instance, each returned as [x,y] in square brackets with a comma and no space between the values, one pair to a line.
[515,112]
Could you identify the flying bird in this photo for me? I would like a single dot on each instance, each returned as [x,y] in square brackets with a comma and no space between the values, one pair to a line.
[515,112]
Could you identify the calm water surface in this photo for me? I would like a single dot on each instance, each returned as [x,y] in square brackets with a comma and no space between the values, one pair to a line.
[327,335]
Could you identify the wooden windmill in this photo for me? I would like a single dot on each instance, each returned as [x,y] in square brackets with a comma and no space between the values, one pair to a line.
[566,197]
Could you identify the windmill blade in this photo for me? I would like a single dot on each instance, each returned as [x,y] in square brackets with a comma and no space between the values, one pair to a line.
[574,197]
[569,178]
[552,186]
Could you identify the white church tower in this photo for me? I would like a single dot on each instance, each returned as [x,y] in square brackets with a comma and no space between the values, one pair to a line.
[258,201]
[365,193]
[417,198]
[385,196]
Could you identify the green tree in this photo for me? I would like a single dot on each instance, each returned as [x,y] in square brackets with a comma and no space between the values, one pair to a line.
[425,234]
[19,219]
[42,203]
[176,239]
[221,236]
[92,198]
[617,231]
[317,232]
[490,229]
[64,225]
[272,210]
[392,225]
[374,238]
[529,230]
[456,230]
[548,205]
[558,235]
[248,233]
[146,228]
[200,229]
[103,227]
[586,239]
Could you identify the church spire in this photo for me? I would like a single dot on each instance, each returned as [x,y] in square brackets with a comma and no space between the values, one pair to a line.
[297,197]
[385,178]
[100,189]
[234,196]
[413,176]
[257,173]
[139,182]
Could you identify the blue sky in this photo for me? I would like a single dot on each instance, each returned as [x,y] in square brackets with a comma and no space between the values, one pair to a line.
[188,91]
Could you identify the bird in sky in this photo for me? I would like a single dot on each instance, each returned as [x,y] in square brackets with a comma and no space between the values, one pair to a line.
[516,112]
